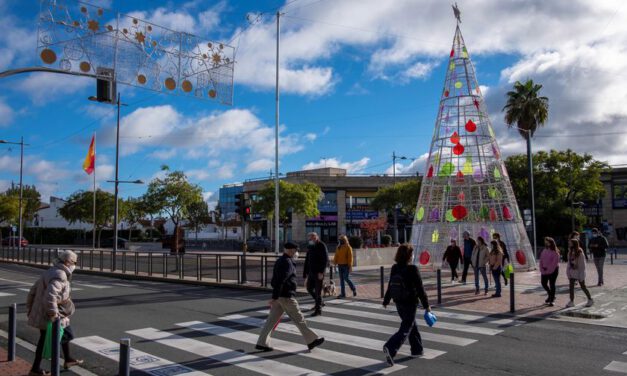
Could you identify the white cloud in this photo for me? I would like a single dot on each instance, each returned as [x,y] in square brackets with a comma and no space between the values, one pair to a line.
[45,87]
[351,167]
[260,165]
[357,89]
[6,113]
[415,166]
[419,70]
[163,154]
[311,137]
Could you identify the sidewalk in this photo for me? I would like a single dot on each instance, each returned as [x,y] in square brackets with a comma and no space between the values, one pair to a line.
[19,367]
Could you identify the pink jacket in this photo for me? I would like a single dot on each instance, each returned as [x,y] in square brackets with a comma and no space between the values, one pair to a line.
[549,261]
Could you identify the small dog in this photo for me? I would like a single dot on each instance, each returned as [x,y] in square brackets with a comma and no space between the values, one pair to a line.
[328,289]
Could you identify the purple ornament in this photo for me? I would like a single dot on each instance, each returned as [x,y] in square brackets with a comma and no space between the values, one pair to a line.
[435,215]
[478,176]
[484,234]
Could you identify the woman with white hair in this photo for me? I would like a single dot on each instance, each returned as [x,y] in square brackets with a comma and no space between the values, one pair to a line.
[48,300]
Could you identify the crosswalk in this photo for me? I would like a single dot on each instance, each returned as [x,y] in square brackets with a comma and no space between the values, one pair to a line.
[617,366]
[354,332]
[14,288]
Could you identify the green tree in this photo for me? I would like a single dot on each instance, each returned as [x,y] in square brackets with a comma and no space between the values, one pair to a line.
[9,208]
[299,198]
[172,196]
[198,215]
[405,194]
[563,177]
[80,208]
[134,211]
[526,111]
[31,200]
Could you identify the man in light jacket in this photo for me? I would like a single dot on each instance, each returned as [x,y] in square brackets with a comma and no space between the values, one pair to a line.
[49,300]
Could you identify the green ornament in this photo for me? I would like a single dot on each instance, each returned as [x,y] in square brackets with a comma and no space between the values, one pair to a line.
[491,131]
[420,214]
[458,85]
[447,169]
[449,216]
[447,188]
[484,212]
[497,174]
[467,169]
[452,66]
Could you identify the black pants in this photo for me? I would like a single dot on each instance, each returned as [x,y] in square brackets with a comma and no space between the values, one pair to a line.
[453,271]
[314,288]
[466,266]
[571,289]
[548,282]
[409,328]
[65,346]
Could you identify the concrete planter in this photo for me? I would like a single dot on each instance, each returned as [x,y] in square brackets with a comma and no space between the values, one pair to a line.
[374,256]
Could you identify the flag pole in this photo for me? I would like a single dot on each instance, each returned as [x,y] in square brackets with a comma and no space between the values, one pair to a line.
[93,231]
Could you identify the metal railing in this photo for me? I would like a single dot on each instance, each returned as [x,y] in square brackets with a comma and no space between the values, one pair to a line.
[219,267]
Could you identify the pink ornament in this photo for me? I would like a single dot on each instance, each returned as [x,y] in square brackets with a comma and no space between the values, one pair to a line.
[461,196]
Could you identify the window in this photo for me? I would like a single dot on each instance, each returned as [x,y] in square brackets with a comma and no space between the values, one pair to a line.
[619,195]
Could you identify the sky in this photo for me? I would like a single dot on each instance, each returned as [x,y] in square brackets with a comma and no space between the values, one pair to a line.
[359,80]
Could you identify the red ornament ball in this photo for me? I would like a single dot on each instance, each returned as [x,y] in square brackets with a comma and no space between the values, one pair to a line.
[455,138]
[471,126]
[520,257]
[458,149]
[424,257]
[459,212]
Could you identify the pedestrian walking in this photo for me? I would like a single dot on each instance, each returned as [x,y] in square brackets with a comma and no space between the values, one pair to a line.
[549,268]
[576,272]
[283,300]
[480,258]
[469,246]
[453,255]
[316,264]
[343,258]
[577,236]
[598,247]
[406,289]
[49,300]
[506,260]
[495,261]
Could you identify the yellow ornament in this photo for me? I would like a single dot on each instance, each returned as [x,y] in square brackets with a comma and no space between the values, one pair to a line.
[467,169]
[435,236]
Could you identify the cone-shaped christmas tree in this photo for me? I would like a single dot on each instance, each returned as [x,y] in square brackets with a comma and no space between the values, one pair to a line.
[466,186]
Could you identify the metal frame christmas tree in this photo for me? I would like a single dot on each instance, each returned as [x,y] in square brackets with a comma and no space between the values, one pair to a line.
[465,185]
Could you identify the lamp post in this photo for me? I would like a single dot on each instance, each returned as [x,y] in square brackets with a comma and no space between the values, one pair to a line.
[394,158]
[21,143]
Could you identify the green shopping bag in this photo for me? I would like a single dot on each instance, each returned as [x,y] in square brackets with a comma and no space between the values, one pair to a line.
[47,353]
[509,269]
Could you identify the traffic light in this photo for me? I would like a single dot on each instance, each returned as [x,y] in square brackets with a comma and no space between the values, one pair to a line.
[239,204]
[247,211]
[105,85]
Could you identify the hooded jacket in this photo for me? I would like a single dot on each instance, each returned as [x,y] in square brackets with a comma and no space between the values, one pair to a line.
[50,295]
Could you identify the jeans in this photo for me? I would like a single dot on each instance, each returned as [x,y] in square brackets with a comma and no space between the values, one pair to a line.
[571,288]
[314,288]
[407,312]
[548,282]
[496,274]
[466,266]
[599,262]
[483,272]
[344,277]
[65,346]
[453,271]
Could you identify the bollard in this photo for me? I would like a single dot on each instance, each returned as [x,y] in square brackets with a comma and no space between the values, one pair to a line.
[438,274]
[382,282]
[12,331]
[611,258]
[125,357]
[512,296]
[331,273]
[55,360]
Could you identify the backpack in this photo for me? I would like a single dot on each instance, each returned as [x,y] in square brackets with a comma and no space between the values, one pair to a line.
[398,290]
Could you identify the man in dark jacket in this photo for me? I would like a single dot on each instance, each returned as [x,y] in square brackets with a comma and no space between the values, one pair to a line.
[598,246]
[469,245]
[283,292]
[315,265]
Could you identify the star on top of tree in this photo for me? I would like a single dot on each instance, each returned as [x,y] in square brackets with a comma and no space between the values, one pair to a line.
[141,38]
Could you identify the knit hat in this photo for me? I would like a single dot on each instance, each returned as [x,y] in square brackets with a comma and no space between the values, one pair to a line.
[290,245]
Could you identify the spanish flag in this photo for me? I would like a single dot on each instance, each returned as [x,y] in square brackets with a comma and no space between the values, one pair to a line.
[90,160]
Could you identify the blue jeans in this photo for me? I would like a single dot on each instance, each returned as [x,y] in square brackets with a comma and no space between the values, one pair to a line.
[483,272]
[496,274]
[407,312]
[344,277]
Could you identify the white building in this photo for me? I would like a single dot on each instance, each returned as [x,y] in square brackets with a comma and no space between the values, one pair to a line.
[48,217]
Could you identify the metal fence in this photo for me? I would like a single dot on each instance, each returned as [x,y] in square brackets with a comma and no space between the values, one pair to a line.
[218,267]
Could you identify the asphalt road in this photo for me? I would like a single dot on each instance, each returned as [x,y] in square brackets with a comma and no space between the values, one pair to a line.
[184,330]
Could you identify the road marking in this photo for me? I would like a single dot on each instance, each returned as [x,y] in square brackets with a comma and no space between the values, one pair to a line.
[386,317]
[449,315]
[343,339]
[123,285]
[325,355]
[616,367]
[139,360]
[222,354]
[14,281]
[94,286]
[5,294]
[28,290]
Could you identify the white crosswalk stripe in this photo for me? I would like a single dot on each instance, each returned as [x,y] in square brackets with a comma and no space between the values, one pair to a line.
[222,354]
[5,294]
[345,339]
[139,360]
[616,367]
[322,354]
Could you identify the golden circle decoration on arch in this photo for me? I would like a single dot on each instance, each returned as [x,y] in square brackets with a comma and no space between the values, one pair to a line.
[212,93]
[187,86]
[48,56]
[141,79]
[85,66]
[170,84]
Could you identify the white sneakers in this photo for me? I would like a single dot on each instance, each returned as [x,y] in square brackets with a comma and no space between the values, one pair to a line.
[570,304]
[590,303]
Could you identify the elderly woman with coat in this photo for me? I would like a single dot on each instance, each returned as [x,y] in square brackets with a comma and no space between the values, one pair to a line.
[48,300]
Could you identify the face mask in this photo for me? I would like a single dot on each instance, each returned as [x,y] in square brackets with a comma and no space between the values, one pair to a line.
[311,242]
[295,257]
[72,267]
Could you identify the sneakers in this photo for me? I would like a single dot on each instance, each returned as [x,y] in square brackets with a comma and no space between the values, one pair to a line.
[354,292]
[590,303]
[496,295]
[263,348]
[72,362]
[41,372]
[341,296]
[550,304]
[417,354]
[316,343]
[548,300]
[317,312]
[477,292]
[570,304]
[388,356]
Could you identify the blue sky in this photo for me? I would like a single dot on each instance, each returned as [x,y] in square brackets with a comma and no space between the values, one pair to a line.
[360,80]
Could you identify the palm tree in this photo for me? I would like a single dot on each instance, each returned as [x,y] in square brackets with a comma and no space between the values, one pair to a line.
[525,111]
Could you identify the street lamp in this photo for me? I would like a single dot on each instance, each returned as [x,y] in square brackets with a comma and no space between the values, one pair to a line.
[394,158]
[21,143]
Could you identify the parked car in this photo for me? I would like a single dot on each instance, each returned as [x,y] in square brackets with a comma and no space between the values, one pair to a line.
[108,243]
[12,241]
[259,243]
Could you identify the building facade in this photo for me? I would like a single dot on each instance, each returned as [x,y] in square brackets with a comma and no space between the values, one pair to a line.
[344,205]
[226,200]
[611,211]
[48,217]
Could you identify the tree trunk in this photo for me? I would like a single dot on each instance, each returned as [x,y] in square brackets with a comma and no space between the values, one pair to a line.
[532,203]
[130,232]
[99,233]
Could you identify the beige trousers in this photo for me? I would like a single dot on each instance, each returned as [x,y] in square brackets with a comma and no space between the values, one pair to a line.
[289,306]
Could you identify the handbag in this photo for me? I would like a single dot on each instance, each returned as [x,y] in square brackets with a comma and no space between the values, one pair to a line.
[47,351]
[509,269]
[430,318]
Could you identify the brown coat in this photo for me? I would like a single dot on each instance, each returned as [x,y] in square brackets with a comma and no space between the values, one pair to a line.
[50,296]
[496,260]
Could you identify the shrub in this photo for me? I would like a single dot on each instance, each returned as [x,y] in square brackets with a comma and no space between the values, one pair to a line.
[386,240]
[355,242]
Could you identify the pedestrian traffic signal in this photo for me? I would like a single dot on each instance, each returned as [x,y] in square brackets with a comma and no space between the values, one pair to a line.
[239,204]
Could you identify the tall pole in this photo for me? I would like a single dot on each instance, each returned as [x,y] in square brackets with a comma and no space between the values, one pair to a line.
[395,214]
[276,142]
[117,153]
[93,231]
[19,239]
[531,194]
